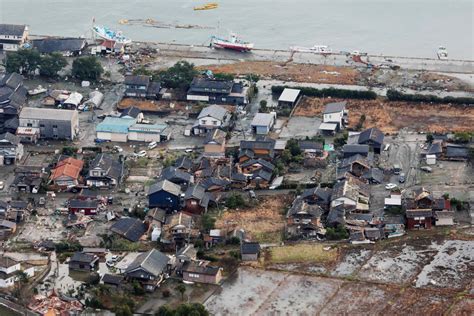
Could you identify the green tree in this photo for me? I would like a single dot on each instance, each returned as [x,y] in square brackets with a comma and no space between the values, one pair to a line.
[337,233]
[193,309]
[224,76]
[293,146]
[123,310]
[179,76]
[235,200]
[181,289]
[263,106]
[51,64]
[462,137]
[207,222]
[87,68]
[429,138]
[24,61]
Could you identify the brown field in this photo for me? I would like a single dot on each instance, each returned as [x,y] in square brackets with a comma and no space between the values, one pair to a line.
[390,117]
[263,222]
[291,71]
[302,253]
[150,106]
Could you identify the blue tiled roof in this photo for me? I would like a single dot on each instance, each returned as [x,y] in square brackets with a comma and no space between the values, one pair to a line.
[115,125]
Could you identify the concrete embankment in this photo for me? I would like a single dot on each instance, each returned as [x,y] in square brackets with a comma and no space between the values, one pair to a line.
[336,59]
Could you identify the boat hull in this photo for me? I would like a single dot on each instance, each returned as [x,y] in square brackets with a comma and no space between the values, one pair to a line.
[232,46]
[101,32]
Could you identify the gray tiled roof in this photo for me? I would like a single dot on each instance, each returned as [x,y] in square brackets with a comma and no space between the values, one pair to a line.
[334,107]
[153,262]
[167,186]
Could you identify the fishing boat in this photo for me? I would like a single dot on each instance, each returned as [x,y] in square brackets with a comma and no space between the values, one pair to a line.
[208,6]
[233,43]
[442,53]
[110,35]
[316,49]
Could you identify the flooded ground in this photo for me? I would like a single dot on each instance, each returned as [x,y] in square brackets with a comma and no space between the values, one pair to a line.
[416,274]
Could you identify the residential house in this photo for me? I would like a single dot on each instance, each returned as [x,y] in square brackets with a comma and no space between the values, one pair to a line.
[456,152]
[357,165]
[105,171]
[66,46]
[7,228]
[419,218]
[17,210]
[12,99]
[201,272]
[260,179]
[12,36]
[113,280]
[176,176]
[218,91]
[166,195]
[319,196]
[28,179]
[289,98]
[186,254]
[351,192]
[334,117]
[304,219]
[9,269]
[132,113]
[374,233]
[196,199]
[373,137]
[251,166]
[83,262]
[86,207]
[313,153]
[394,225]
[215,236]
[436,148]
[262,123]
[422,199]
[149,269]
[178,230]
[213,184]
[350,150]
[184,163]
[249,251]
[261,148]
[129,228]
[214,145]
[210,118]
[67,172]
[47,124]
[141,87]
[11,150]
[374,176]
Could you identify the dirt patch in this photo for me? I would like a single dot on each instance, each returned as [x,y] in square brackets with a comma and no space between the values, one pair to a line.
[152,105]
[359,299]
[392,116]
[263,222]
[351,261]
[291,71]
[463,307]
[424,303]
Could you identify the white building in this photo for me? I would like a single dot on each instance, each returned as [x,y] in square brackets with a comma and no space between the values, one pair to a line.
[211,117]
[12,36]
[289,97]
[334,117]
[8,271]
[262,123]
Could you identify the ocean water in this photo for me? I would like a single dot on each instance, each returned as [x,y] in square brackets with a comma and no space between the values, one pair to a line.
[390,27]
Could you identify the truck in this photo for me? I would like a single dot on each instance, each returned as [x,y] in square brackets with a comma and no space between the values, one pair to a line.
[397,169]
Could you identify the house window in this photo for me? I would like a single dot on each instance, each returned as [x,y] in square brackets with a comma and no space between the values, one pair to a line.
[193,275]
[55,126]
[214,122]
[41,125]
[29,125]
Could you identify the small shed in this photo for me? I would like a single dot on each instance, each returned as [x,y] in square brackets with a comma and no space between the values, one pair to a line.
[250,251]
[431,159]
[73,101]
[444,218]
[95,99]
[289,97]
[262,123]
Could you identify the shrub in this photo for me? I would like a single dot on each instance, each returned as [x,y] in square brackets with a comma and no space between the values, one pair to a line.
[394,95]
[329,92]
[337,233]
[234,201]
[87,68]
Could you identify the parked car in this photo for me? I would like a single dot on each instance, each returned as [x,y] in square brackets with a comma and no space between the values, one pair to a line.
[188,150]
[426,169]
[141,153]
[152,145]
[390,186]
[252,194]
[117,149]
[401,178]
[99,141]
[114,258]
[2,185]
[110,263]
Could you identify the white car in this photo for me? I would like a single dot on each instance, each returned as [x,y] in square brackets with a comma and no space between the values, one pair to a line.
[390,186]
[2,185]
[141,153]
[152,145]
[118,149]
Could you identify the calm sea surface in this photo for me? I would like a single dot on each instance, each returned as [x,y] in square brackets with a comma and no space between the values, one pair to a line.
[391,27]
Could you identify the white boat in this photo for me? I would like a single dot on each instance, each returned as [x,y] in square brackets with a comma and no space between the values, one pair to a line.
[442,53]
[233,43]
[110,35]
[316,49]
